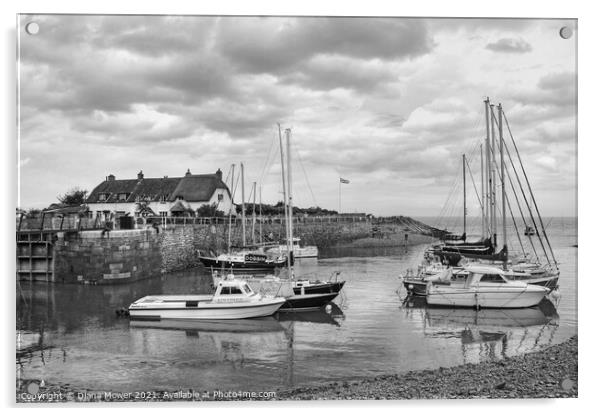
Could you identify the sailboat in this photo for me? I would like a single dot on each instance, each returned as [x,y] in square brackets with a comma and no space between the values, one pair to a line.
[307,294]
[518,269]
[244,260]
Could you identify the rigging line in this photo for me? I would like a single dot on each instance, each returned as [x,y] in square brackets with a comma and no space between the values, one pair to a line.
[474,185]
[525,199]
[267,159]
[523,194]
[530,190]
[520,211]
[236,185]
[313,197]
[439,221]
[497,171]
[521,214]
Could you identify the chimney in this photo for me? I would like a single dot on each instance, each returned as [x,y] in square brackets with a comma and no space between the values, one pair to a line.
[188,173]
[140,175]
[111,177]
[219,174]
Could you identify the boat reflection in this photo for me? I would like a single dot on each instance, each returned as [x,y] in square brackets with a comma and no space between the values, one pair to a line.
[495,333]
[236,341]
[256,325]
[329,315]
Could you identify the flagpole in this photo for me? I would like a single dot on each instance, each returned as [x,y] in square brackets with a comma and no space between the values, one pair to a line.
[339,196]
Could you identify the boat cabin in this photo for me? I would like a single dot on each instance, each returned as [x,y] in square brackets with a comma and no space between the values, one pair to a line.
[232,291]
[485,276]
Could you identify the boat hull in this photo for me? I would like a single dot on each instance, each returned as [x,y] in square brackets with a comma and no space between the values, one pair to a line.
[415,287]
[211,311]
[326,287]
[485,298]
[246,267]
[308,301]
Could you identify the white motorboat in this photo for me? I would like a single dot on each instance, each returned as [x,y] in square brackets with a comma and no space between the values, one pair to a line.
[298,250]
[233,299]
[485,287]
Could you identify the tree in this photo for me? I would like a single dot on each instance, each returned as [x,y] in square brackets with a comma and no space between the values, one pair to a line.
[33,213]
[209,211]
[75,196]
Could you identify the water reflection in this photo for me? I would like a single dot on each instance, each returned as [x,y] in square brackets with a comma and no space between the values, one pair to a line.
[71,333]
[491,333]
[331,315]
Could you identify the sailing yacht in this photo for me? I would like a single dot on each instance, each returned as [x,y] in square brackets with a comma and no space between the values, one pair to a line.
[307,294]
[245,260]
[458,252]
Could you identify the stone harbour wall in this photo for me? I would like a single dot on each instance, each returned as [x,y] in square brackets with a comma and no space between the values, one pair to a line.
[120,256]
[106,258]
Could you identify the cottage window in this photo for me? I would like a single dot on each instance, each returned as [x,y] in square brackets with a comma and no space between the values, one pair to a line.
[123,197]
[220,197]
[163,198]
[179,198]
[163,213]
[102,197]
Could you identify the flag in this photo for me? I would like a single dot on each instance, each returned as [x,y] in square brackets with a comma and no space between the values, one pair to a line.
[344,180]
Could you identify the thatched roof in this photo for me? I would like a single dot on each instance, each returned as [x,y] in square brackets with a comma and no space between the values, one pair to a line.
[191,188]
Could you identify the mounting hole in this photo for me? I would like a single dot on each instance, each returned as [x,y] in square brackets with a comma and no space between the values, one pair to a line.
[32,28]
[566,32]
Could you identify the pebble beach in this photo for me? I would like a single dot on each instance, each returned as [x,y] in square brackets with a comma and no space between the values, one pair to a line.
[549,373]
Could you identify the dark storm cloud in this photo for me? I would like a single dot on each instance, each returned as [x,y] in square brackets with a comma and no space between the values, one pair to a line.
[278,45]
[509,45]
[367,98]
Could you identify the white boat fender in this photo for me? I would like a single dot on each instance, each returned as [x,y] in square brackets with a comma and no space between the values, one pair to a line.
[328,308]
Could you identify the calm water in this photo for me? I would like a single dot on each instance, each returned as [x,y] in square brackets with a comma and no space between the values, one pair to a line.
[369,331]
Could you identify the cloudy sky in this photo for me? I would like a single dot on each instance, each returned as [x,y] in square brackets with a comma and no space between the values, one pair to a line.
[388,103]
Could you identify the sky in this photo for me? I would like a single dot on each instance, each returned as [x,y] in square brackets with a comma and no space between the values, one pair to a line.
[390,104]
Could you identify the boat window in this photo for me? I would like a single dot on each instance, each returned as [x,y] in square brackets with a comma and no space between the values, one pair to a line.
[493,278]
[235,291]
[247,288]
[225,290]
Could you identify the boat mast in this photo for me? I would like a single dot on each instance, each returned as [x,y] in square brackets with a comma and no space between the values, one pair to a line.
[285,197]
[260,219]
[242,179]
[290,195]
[232,167]
[502,180]
[482,198]
[487,172]
[253,218]
[493,181]
[464,184]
